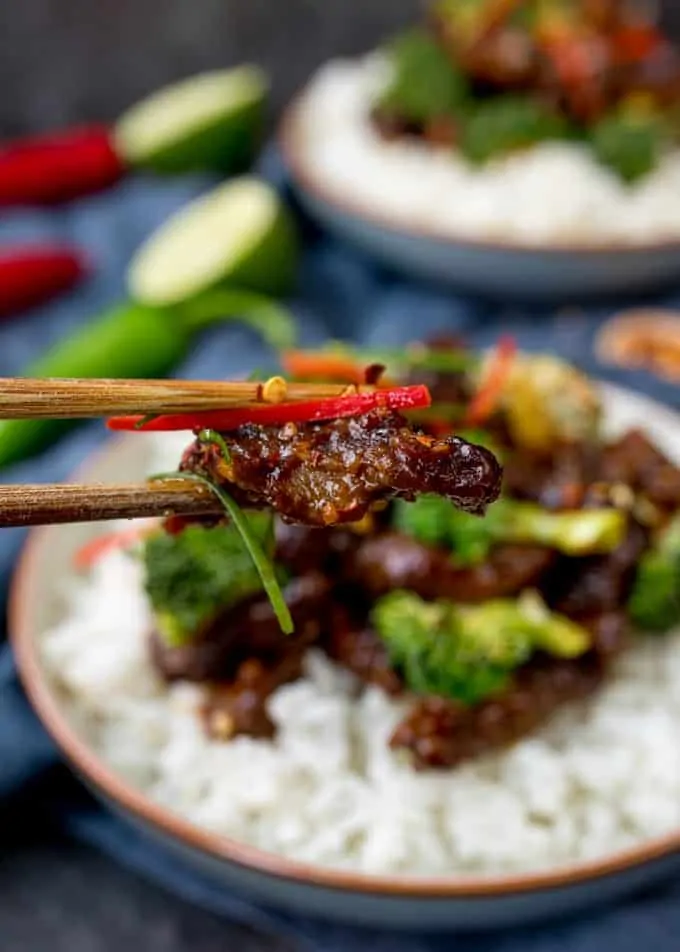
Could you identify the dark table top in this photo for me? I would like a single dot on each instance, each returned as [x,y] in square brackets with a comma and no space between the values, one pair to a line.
[56,896]
[60,896]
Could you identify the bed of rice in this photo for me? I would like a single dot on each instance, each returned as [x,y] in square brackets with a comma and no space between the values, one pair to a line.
[601,776]
[555,192]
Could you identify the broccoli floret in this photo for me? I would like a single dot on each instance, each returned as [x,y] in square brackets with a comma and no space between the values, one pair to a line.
[424,84]
[654,604]
[194,575]
[439,653]
[434,521]
[577,533]
[630,144]
[508,124]
[469,653]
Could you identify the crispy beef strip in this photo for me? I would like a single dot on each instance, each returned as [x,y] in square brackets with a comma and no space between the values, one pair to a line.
[440,733]
[352,643]
[636,462]
[249,629]
[324,474]
[304,549]
[240,706]
[557,481]
[386,562]
[598,583]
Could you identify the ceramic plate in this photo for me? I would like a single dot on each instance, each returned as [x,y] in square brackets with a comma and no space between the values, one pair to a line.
[493,268]
[383,901]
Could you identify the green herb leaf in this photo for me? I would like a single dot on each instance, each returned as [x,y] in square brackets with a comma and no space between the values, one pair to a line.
[212,436]
[264,567]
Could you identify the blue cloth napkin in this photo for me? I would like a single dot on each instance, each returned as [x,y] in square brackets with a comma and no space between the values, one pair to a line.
[341,295]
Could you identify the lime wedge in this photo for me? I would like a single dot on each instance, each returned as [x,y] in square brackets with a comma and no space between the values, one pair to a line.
[239,235]
[210,121]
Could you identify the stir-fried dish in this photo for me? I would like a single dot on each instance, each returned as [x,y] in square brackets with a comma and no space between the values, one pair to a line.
[490,77]
[483,625]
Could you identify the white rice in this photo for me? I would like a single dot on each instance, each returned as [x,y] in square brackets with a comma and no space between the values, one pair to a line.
[555,192]
[601,776]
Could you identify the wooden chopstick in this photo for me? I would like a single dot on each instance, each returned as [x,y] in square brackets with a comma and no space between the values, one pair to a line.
[22,398]
[35,505]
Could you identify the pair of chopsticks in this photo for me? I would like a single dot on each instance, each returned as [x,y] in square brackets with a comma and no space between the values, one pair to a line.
[28,399]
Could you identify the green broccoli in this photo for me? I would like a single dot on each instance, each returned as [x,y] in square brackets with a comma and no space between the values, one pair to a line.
[425,84]
[434,521]
[654,604]
[630,143]
[507,124]
[469,653]
[194,575]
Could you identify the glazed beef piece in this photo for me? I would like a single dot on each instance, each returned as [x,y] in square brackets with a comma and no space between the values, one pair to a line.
[240,706]
[599,583]
[439,733]
[636,462]
[558,481]
[301,549]
[249,629]
[356,646]
[324,474]
[392,561]
[391,126]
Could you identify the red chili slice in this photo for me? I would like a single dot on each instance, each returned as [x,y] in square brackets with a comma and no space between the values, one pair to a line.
[487,397]
[277,414]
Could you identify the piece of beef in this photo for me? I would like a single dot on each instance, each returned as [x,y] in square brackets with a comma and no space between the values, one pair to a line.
[325,474]
[441,733]
[240,706]
[634,461]
[357,647]
[249,629]
[392,561]
[598,583]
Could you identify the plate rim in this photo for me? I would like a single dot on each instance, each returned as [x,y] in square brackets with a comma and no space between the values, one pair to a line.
[23,636]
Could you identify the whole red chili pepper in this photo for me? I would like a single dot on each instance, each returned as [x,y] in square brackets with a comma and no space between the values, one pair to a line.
[46,169]
[30,275]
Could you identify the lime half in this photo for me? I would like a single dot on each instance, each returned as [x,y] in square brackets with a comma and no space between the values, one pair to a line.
[210,121]
[239,235]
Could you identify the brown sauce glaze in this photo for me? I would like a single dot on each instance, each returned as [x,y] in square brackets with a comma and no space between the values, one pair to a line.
[323,474]
[247,630]
[390,561]
[440,733]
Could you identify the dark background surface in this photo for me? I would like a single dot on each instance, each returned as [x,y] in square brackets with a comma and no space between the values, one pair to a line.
[71,60]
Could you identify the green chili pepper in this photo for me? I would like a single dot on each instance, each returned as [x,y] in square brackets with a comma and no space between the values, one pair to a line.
[135,340]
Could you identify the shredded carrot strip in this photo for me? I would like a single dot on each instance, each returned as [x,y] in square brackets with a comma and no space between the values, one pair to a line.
[90,553]
[486,400]
[319,366]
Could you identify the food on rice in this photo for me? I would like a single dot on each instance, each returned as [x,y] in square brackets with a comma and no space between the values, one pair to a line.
[543,121]
[460,695]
